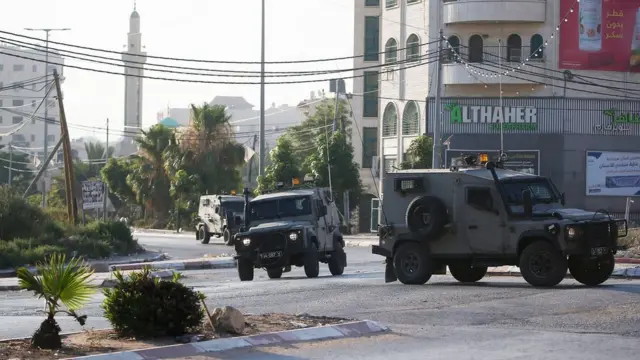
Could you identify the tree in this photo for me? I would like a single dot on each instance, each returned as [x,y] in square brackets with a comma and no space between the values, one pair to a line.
[21,174]
[285,165]
[419,154]
[114,174]
[91,168]
[59,284]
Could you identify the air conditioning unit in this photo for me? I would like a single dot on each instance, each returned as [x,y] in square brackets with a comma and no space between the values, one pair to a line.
[375,166]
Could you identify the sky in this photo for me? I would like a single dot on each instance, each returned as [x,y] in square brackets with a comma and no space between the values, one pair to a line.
[187,29]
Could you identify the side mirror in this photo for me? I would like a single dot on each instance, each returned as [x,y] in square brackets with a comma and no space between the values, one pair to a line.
[562,200]
[527,202]
[216,210]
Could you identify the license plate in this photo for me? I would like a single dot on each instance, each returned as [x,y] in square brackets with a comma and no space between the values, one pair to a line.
[597,251]
[270,254]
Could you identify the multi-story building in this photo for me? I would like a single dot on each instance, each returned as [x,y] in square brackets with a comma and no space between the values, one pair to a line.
[22,88]
[558,79]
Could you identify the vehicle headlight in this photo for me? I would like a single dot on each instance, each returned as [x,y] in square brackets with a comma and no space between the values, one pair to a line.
[573,232]
[246,241]
[293,236]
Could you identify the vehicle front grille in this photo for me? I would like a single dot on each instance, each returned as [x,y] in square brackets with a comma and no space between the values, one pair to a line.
[601,234]
[272,242]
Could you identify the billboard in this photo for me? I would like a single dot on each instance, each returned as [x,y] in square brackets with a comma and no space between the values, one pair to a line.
[613,173]
[92,195]
[600,35]
[526,161]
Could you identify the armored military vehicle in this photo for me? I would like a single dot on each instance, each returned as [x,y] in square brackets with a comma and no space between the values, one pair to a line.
[219,215]
[293,226]
[480,215]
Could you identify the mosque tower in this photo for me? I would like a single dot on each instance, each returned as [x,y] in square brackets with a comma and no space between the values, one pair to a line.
[134,59]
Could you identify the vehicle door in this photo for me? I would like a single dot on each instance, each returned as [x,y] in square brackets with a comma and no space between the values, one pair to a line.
[324,223]
[483,220]
[216,219]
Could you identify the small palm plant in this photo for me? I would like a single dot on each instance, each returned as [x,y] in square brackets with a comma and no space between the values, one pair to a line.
[58,283]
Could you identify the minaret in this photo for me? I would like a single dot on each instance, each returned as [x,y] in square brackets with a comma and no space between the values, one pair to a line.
[133,58]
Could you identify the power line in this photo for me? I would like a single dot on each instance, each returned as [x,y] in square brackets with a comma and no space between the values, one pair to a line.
[191,60]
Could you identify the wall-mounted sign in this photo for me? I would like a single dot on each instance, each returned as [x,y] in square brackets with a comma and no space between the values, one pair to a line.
[620,121]
[509,118]
[613,173]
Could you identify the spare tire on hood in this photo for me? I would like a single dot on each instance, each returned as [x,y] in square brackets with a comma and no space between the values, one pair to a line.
[427,217]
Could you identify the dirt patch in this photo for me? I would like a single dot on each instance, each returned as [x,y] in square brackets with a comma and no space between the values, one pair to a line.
[104,341]
[632,242]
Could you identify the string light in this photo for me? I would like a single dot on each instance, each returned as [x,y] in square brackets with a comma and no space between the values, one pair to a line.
[473,69]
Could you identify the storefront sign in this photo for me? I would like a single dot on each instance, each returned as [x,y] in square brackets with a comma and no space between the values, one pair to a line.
[613,173]
[620,121]
[509,118]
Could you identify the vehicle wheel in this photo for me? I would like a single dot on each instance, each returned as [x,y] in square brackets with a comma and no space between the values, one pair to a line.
[228,240]
[591,272]
[412,264]
[245,269]
[198,234]
[465,273]
[336,262]
[312,263]
[542,265]
[274,273]
[427,217]
[205,236]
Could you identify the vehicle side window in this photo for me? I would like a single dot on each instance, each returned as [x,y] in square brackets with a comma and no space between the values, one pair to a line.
[480,198]
[216,209]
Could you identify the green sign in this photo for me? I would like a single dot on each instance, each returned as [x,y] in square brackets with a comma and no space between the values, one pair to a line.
[495,117]
[620,121]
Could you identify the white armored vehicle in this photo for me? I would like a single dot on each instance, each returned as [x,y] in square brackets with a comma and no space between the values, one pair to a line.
[481,215]
[219,215]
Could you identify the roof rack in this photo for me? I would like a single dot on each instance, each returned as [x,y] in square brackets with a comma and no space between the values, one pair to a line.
[308,183]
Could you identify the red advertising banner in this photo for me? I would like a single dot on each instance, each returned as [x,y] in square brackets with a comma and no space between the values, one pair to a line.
[602,35]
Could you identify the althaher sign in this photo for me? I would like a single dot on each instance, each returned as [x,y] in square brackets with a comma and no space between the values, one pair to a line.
[510,118]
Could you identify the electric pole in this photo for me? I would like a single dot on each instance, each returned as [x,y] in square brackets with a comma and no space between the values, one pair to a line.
[10,163]
[437,141]
[105,193]
[262,104]
[46,107]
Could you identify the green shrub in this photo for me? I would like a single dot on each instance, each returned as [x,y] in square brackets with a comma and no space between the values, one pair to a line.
[144,307]
[21,252]
[18,218]
[116,233]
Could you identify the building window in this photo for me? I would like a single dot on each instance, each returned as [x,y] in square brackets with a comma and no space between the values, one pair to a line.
[454,43]
[411,119]
[18,67]
[34,68]
[1,67]
[372,38]
[372,3]
[537,47]
[413,1]
[389,164]
[476,49]
[17,119]
[514,48]
[51,138]
[391,3]
[390,120]
[33,138]
[17,103]
[1,103]
[369,146]
[51,120]
[391,51]
[33,103]
[413,48]
[18,137]
[370,96]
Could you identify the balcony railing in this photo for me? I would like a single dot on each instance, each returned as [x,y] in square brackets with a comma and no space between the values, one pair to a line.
[496,54]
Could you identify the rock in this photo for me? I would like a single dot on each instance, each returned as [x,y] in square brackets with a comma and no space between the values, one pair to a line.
[228,319]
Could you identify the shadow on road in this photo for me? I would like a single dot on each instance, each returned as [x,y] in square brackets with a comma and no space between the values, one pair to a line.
[631,288]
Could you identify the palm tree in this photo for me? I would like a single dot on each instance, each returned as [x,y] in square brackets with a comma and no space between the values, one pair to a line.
[58,284]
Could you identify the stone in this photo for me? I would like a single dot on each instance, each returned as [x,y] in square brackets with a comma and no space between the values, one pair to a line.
[228,320]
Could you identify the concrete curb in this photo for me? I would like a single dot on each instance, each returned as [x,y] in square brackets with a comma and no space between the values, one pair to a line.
[199,264]
[352,329]
[624,273]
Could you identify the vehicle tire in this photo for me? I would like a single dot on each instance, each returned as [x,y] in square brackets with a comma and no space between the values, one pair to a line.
[591,272]
[412,264]
[274,273]
[245,269]
[426,216]
[198,234]
[228,239]
[542,265]
[312,262]
[205,236]
[465,273]
[337,260]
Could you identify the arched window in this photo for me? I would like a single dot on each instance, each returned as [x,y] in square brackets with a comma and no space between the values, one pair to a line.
[537,47]
[390,120]
[391,51]
[514,48]
[413,48]
[476,49]
[454,42]
[411,119]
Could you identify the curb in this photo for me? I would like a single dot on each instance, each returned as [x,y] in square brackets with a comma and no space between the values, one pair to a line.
[628,273]
[352,329]
[216,263]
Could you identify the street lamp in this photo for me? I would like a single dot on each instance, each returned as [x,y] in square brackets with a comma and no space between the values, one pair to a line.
[46,106]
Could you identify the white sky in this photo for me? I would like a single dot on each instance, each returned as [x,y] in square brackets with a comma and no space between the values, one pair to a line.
[198,29]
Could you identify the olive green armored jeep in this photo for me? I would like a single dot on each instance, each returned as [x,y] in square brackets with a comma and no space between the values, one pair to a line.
[481,215]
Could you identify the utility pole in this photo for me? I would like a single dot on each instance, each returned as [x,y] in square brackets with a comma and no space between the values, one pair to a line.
[253,147]
[105,193]
[46,107]
[437,142]
[10,163]
[262,104]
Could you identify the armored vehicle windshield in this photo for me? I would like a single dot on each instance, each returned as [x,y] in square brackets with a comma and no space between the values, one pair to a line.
[233,206]
[544,194]
[280,207]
